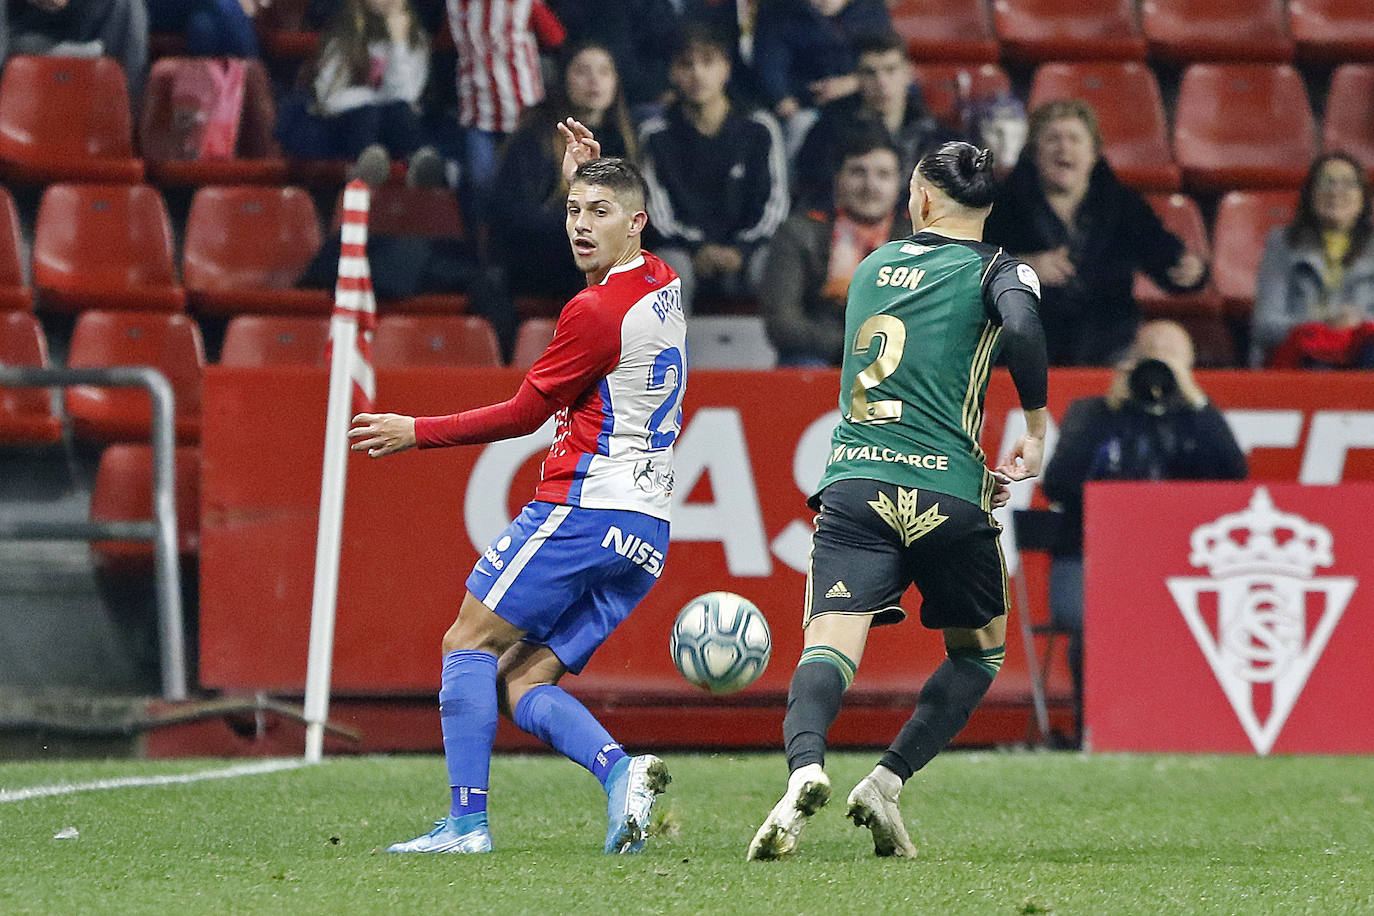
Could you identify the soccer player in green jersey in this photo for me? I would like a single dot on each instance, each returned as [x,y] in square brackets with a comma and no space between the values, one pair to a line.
[906,495]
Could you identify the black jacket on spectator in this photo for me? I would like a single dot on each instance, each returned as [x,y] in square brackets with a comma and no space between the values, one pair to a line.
[527,217]
[1091,319]
[794,45]
[729,189]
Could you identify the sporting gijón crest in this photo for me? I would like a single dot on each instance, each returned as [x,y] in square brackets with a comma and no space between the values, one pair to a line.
[1263,616]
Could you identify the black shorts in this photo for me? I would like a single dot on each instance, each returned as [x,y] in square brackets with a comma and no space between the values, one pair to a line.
[872,542]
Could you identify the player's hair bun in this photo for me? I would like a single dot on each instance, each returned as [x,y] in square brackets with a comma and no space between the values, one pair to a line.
[963,171]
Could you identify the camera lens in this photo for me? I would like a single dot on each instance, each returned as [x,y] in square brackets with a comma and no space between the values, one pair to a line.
[1152,383]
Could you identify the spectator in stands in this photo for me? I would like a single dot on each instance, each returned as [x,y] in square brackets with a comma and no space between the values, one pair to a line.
[81,28]
[636,32]
[213,28]
[812,257]
[1314,299]
[367,79]
[804,55]
[888,97]
[717,174]
[1063,211]
[1155,423]
[529,195]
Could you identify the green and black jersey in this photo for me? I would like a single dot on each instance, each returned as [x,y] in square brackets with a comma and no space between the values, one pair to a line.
[923,327]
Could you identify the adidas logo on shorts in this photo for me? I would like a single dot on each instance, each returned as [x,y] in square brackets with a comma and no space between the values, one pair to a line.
[838,590]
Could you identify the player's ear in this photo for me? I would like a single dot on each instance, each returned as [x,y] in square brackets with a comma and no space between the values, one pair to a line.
[638,221]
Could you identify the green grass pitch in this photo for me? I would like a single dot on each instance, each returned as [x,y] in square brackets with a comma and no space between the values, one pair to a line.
[999,833]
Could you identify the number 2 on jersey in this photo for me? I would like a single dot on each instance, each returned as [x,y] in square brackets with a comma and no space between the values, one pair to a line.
[666,376]
[890,335]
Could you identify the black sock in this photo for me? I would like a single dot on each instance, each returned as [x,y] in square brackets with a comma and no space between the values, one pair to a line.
[813,702]
[947,700]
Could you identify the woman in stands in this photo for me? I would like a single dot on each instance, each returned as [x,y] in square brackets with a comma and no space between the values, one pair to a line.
[1314,298]
[529,195]
[1063,211]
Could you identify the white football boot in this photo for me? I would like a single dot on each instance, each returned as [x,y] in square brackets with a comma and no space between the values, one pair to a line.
[808,789]
[873,804]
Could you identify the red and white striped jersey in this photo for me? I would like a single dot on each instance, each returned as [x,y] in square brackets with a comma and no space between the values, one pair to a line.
[619,360]
[498,62]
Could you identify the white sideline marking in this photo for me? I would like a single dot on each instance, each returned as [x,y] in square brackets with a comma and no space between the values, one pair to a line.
[130,782]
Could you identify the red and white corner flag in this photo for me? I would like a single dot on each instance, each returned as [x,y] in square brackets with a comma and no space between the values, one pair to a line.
[352,388]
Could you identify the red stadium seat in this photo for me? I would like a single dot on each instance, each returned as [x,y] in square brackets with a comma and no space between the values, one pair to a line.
[14,295]
[106,247]
[66,119]
[1349,123]
[1244,218]
[170,99]
[435,340]
[26,416]
[1182,217]
[1130,113]
[1332,30]
[538,306]
[1039,30]
[946,88]
[531,340]
[284,32]
[247,247]
[168,343]
[1243,126]
[123,492]
[1184,31]
[945,29]
[275,340]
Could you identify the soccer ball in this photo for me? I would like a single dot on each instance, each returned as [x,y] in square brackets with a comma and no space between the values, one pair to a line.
[721,642]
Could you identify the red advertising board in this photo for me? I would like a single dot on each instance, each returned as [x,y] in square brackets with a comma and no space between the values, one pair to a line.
[1234,617]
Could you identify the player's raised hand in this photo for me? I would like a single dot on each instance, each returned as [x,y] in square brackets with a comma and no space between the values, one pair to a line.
[382,434]
[579,145]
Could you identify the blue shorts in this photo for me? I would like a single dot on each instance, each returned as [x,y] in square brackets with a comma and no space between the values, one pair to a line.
[568,576]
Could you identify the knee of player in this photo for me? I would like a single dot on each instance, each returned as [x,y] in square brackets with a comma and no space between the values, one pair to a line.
[988,661]
[836,659]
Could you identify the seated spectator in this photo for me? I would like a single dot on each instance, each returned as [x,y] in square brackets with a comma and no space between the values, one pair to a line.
[717,175]
[1063,211]
[804,54]
[888,97]
[812,257]
[209,109]
[213,28]
[367,79]
[1314,298]
[1155,423]
[529,196]
[81,28]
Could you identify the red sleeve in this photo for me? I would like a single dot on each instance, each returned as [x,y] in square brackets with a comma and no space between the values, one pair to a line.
[519,416]
[585,347]
[548,30]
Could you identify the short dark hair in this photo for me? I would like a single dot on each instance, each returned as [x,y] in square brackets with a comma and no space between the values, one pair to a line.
[699,35]
[620,175]
[862,139]
[961,170]
[881,42]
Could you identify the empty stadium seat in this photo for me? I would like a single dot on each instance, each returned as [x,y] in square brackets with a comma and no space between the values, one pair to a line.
[123,492]
[104,246]
[66,119]
[729,342]
[1039,30]
[946,88]
[1181,216]
[1244,218]
[531,340]
[14,295]
[1243,126]
[171,98]
[246,248]
[1130,113]
[1332,30]
[945,29]
[1185,31]
[26,415]
[170,344]
[1349,123]
[275,340]
[435,340]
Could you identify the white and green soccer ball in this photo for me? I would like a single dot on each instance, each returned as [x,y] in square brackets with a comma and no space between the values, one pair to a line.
[721,642]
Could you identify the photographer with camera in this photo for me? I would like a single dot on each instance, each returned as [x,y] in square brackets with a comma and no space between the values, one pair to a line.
[1155,423]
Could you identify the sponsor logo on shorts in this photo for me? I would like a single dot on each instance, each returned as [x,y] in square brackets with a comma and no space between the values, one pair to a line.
[839,590]
[635,549]
[902,516]
[493,553]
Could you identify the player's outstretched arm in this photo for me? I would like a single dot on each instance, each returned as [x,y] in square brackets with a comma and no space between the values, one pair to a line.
[579,145]
[382,434]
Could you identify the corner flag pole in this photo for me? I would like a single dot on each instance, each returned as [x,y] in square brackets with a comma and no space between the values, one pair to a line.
[352,387]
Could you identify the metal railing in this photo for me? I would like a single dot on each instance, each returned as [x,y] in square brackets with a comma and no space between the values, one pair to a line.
[162,530]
